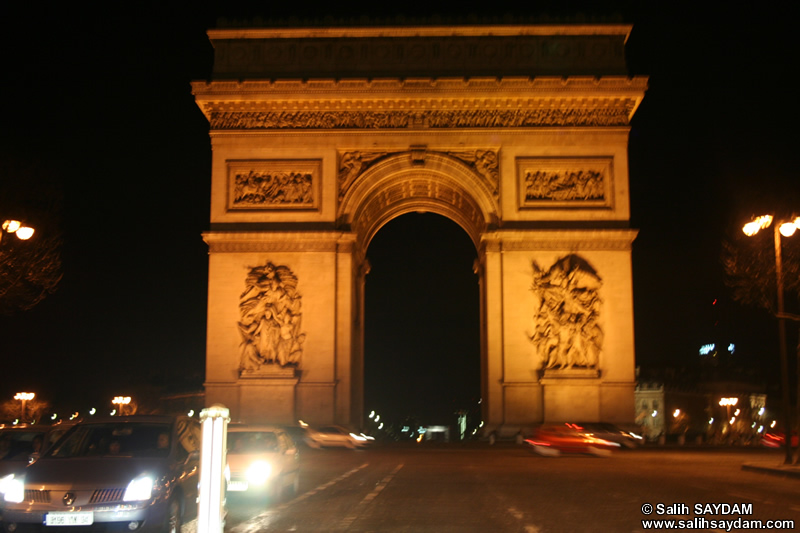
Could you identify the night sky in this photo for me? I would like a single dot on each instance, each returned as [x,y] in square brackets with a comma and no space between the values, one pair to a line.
[100,103]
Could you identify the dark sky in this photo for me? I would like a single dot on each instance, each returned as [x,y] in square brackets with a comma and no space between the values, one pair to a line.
[101,102]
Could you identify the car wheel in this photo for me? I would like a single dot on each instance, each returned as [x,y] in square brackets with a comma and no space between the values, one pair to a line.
[547,451]
[173,521]
[599,452]
[293,489]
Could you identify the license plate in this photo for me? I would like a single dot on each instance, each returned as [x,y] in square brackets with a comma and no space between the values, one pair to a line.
[80,518]
[237,486]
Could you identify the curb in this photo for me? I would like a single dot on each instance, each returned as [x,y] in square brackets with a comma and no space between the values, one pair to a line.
[781,471]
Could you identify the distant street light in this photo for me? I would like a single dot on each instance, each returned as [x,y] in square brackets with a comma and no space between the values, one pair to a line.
[15,226]
[787,229]
[121,401]
[24,397]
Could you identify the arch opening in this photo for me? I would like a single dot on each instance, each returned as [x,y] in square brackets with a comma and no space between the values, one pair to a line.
[422,324]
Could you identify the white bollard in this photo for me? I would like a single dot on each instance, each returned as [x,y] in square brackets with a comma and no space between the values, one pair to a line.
[210,512]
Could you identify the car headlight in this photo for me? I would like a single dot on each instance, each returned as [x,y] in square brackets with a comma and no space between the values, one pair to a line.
[12,488]
[358,437]
[259,472]
[139,489]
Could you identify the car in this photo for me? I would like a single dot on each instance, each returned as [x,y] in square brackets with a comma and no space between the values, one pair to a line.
[777,439]
[262,461]
[611,432]
[134,473]
[335,436]
[552,440]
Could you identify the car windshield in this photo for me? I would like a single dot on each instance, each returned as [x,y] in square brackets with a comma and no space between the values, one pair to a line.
[115,439]
[252,442]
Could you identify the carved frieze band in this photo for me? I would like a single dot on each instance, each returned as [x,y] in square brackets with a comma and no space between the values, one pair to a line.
[617,115]
[354,163]
[565,182]
[274,184]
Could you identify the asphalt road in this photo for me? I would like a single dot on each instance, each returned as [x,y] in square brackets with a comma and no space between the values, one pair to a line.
[478,488]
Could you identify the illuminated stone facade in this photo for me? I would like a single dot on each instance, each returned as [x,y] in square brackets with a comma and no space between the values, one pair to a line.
[518,134]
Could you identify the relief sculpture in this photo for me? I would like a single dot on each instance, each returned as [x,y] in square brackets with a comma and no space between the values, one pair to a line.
[270,315]
[564,185]
[485,163]
[446,119]
[566,332]
[351,165]
[258,189]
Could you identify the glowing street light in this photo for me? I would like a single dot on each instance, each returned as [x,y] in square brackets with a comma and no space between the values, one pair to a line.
[24,397]
[787,229]
[15,226]
[121,401]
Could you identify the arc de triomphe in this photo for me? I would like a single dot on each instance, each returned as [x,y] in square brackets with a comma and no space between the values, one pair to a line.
[517,133]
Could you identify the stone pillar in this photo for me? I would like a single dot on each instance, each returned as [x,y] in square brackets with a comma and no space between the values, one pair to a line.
[493,316]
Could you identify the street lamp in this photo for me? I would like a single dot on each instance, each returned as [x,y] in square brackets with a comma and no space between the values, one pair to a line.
[15,226]
[24,397]
[121,400]
[787,229]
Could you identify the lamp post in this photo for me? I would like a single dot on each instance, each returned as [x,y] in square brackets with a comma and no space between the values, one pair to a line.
[15,226]
[787,229]
[24,397]
[121,400]
[727,402]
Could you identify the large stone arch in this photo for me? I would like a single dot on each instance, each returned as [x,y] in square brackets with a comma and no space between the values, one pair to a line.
[415,181]
[526,150]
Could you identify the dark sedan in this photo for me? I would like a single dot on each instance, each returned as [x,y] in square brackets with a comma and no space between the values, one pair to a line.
[135,473]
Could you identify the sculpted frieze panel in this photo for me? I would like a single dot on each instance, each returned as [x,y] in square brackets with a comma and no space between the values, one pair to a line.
[273,184]
[270,318]
[561,182]
[567,333]
[616,115]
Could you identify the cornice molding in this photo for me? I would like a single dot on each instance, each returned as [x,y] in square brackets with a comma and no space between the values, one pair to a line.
[520,87]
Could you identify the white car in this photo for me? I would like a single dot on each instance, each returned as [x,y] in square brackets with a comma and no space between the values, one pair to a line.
[262,461]
[330,436]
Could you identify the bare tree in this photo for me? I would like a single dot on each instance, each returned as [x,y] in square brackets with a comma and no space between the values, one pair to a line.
[749,265]
[30,269]
[34,410]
